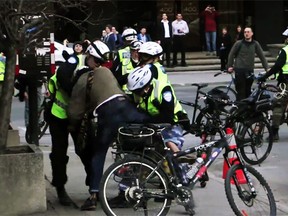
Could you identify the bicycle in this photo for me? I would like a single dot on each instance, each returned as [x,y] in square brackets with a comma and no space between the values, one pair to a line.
[42,123]
[150,190]
[250,119]
[228,89]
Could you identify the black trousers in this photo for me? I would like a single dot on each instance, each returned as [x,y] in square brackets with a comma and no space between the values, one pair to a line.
[179,46]
[243,83]
[166,44]
[58,156]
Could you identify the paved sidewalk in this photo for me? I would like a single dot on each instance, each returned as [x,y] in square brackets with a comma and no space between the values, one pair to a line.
[210,201]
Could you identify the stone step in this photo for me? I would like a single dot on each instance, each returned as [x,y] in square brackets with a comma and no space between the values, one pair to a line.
[191,67]
[202,55]
[199,61]
[215,60]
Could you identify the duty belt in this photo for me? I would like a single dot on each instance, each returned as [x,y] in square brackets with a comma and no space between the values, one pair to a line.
[60,104]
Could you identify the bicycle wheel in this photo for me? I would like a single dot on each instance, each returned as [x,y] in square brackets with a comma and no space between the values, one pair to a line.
[229,91]
[206,122]
[240,196]
[43,125]
[255,141]
[146,192]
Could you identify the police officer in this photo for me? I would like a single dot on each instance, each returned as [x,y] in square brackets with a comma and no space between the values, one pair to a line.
[150,53]
[123,54]
[2,70]
[58,126]
[158,99]
[127,65]
[280,69]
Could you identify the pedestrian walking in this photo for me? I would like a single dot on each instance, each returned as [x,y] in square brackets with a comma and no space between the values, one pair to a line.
[241,59]
[180,29]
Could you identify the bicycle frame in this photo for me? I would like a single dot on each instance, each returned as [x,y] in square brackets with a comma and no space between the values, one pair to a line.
[231,82]
[217,146]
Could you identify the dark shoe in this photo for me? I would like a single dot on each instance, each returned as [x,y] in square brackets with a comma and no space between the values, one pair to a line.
[119,201]
[183,64]
[275,133]
[63,197]
[90,204]
[276,137]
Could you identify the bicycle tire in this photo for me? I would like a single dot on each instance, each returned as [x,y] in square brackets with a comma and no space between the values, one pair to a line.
[241,205]
[133,169]
[204,119]
[231,93]
[43,125]
[255,140]
[27,135]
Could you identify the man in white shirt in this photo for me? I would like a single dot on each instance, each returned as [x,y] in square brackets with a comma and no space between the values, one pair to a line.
[179,29]
[164,37]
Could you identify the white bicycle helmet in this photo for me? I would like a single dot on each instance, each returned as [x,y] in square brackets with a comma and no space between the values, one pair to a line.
[285,33]
[135,45]
[139,78]
[151,48]
[99,50]
[129,34]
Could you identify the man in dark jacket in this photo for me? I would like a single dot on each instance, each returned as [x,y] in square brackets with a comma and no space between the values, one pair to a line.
[164,37]
[243,52]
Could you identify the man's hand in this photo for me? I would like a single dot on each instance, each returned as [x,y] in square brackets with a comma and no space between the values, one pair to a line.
[230,69]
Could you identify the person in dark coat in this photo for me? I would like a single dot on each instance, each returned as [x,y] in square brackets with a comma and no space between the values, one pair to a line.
[224,46]
[110,39]
[164,37]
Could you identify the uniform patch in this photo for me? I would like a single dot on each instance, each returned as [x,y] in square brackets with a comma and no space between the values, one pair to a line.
[163,69]
[167,96]
[72,60]
[126,55]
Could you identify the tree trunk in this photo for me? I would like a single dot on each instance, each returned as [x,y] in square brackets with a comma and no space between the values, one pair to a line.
[6,96]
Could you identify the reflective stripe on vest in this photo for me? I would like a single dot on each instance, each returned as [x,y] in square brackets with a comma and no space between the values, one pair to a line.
[156,94]
[2,67]
[162,76]
[127,68]
[60,103]
[81,60]
[285,67]
[124,54]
